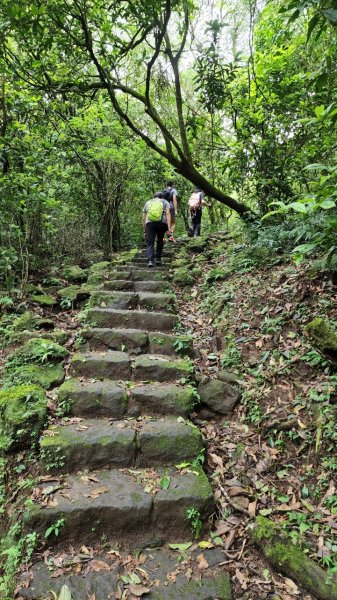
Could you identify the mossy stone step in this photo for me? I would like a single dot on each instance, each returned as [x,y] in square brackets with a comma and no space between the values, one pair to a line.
[132,340]
[161,368]
[97,443]
[109,399]
[131,319]
[119,284]
[131,300]
[138,274]
[47,376]
[93,398]
[211,583]
[157,302]
[89,444]
[115,505]
[167,441]
[120,300]
[110,365]
[164,399]
[152,286]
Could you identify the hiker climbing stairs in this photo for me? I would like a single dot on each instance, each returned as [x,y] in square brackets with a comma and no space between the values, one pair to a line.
[124,451]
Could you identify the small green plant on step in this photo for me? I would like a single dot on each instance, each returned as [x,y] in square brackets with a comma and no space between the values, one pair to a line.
[194,518]
[55,528]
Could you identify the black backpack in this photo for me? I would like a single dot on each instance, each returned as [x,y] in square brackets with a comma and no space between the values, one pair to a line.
[167,194]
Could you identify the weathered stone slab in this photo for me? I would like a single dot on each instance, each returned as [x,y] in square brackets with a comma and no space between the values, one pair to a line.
[186,490]
[219,396]
[131,319]
[122,512]
[145,274]
[100,365]
[163,399]
[157,301]
[160,368]
[90,444]
[132,340]
[117,299]
[97,398]
[119,284]
[100,586]
[152,286]
[212,583]
[161,343]
[166,442]
[121,273]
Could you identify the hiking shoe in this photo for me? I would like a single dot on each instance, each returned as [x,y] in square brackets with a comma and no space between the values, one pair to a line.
[159,263]
[150,263]
[171,238]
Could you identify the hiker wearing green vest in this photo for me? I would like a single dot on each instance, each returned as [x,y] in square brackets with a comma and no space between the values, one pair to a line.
[156,221]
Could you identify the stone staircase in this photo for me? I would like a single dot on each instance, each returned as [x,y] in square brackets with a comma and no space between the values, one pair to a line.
[124,456]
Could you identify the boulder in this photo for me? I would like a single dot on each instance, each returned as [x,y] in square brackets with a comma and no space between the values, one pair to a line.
[219,396]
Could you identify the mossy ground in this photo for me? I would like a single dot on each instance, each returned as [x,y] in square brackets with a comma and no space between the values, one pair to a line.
[24,412]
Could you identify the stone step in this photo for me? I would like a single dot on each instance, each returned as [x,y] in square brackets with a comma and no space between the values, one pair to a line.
[110,399]
[142,261]
[148,367]
[157,302]
[153,286]
[98,443]
[131,319]
[125,507]
[138,274]
[133,341]
[119,284]
[121,300]
[117,365]
[93,398]
[208,584]
[100,365]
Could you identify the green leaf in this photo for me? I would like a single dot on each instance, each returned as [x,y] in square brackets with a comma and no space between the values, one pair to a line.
[165,482]
[265,512]
[312,24]
[65,593]
[326,204]
[305,492]
[298,207]
[181,547]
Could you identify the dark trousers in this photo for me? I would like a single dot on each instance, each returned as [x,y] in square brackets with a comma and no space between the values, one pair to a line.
[153,230]
[196,222]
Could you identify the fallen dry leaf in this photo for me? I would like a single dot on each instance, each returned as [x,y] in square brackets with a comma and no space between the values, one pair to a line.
[202,562]
[98,565]
[138,590]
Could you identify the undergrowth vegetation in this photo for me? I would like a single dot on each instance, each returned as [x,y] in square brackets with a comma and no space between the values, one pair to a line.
[255,303]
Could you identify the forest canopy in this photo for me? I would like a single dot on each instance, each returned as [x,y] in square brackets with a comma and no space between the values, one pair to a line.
[101,102]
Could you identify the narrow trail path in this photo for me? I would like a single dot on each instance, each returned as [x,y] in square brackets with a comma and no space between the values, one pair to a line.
[115,459]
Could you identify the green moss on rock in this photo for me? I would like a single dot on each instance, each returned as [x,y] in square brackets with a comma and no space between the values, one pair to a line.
[44,300]
[183,277]
[24,321]
[291,560]
[322,334]
[36,350]
[45,376]
[74,273]
[100,267]
[58,335]
[23,409]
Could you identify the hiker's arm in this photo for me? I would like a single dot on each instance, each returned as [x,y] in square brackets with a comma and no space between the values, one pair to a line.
[175,203]
[168,218]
